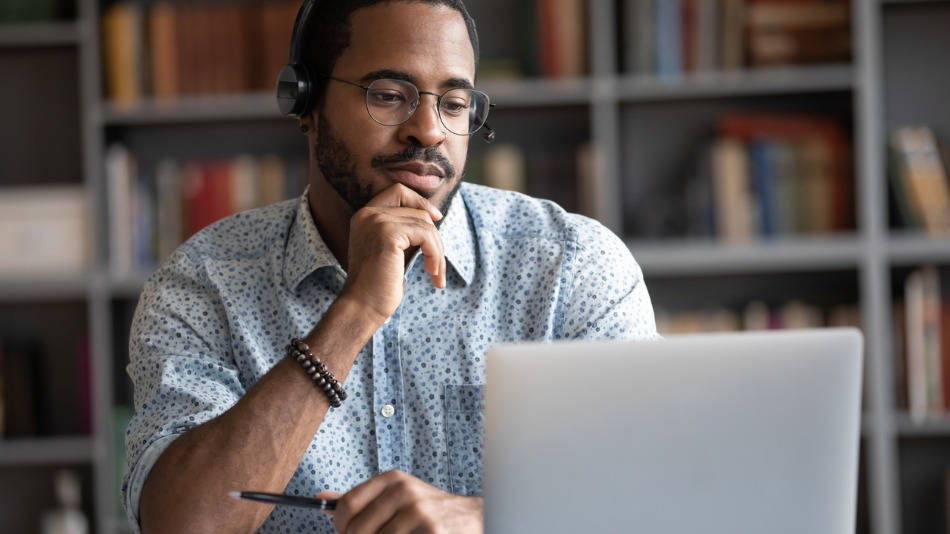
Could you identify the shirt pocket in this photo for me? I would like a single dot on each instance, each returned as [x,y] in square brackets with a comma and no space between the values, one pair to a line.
[464,435]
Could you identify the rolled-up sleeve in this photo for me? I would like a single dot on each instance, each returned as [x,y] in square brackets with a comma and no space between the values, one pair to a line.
[180,364]
[607,297]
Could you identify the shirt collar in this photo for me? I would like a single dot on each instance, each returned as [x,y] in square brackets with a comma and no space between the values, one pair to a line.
[306,252]
[458,238]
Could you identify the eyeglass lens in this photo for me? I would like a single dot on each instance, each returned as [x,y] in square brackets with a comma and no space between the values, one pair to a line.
[392,102]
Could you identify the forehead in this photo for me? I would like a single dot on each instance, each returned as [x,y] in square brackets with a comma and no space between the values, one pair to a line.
[428,41]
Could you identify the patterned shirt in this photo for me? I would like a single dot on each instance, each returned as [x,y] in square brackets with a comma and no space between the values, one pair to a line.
[215,317]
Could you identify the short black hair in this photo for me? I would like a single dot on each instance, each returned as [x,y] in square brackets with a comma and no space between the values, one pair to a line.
[329,30]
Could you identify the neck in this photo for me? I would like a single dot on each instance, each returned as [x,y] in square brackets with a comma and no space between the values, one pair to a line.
[331,214]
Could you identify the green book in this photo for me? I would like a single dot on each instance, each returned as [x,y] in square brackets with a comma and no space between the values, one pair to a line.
[28,10]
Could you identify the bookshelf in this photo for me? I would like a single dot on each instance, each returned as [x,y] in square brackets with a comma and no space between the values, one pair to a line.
[640,125]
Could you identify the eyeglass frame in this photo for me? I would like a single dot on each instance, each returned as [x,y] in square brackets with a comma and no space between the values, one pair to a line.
[489,137]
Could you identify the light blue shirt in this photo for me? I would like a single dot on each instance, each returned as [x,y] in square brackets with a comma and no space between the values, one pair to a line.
[217,315]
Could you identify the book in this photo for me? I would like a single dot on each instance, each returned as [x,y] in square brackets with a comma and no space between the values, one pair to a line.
[669,32]
[646,36]
[151,211]
[706,41]
[798,31]
[571,37]
[916,351]
[123,52]
[924,359]
[733,22]
[731,190]
[764,177]
[121,172]
[921,179]
[163,51]
[172,49]
[21,373]
[590,167]
[44,230]
[505,168]
[823,181]
[17,11]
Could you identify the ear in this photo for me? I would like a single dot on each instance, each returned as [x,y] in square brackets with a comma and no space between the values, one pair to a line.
[307,124]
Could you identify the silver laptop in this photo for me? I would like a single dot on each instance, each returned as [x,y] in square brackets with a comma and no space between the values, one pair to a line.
[723,433]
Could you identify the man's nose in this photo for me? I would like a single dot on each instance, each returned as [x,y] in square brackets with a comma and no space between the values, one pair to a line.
[424,127]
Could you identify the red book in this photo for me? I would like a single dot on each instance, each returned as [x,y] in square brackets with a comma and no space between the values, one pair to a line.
[550,62]
[207,194]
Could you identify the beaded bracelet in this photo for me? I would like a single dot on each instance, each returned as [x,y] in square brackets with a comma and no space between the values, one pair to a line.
[317,371]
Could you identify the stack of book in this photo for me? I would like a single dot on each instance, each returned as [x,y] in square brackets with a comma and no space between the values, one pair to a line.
[757,315]
[27,407]
[169,50]
[919,180]
[672,37]
[17,11]
[774,175]
[151,212]
[553,42]
[922,345]
[44,230]
[568,177]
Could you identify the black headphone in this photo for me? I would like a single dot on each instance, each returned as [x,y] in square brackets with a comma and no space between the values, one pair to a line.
[295,82]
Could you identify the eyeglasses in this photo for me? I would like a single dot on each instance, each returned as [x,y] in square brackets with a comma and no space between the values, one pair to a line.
[392,102]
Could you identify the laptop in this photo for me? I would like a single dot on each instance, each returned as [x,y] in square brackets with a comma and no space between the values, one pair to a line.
[720,433]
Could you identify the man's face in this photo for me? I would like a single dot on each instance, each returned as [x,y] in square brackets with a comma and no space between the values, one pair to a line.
[427,45]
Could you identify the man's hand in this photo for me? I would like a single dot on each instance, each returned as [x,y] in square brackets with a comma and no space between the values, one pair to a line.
[394,221]
[395,502]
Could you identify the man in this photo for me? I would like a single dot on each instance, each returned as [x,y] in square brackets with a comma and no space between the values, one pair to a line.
[396,277]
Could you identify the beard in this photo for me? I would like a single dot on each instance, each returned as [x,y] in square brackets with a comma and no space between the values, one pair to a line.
[339,169]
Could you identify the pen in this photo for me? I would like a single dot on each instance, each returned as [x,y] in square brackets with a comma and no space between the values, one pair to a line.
[286,500]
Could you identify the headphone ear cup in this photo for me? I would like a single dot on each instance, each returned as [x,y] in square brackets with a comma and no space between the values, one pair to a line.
[294,90]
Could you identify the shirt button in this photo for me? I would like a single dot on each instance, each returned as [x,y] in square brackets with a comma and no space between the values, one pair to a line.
[388,410]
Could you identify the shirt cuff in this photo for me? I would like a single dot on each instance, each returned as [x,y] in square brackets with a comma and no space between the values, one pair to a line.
[138,475]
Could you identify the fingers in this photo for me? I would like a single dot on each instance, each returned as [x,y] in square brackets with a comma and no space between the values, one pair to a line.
[354,501]
[383,509]
[422,233]
[398,195]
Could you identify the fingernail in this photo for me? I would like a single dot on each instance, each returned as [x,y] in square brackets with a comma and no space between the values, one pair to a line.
[436,211]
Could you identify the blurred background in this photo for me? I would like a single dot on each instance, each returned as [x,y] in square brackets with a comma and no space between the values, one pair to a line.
[771,164]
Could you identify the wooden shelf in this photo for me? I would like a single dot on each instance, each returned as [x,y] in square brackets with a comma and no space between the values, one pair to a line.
[916,248]
[128,286]
[43,34]
[518,93]
[52,450]
[538,92]
[694,257]
[44,287]
[213,108]
[739,83]
[936,426]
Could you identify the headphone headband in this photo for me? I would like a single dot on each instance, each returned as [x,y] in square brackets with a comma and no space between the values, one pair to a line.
[294,83]
[300,27]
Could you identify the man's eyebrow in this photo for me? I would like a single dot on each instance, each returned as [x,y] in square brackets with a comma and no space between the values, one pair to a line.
[455,83]
[390,74]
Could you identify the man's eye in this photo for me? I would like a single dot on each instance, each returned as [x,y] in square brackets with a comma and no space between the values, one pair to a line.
[387,97]
[455,106]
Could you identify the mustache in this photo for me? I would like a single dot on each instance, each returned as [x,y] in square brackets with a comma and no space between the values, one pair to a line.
[416,153]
